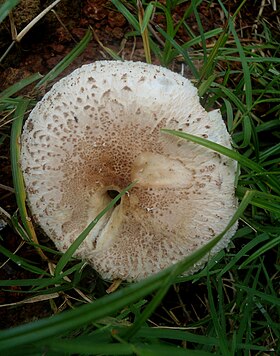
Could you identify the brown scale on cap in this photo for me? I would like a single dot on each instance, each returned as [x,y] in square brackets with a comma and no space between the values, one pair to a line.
[95,132]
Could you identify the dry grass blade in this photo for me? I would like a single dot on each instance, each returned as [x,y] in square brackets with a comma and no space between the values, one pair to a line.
[32,300]
[106,49]
[32,23]
[18,37]
[144,31]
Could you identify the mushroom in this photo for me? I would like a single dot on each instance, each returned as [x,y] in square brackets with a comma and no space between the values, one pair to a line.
[99,129]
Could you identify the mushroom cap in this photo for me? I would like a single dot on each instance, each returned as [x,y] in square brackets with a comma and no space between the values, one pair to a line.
[99,129]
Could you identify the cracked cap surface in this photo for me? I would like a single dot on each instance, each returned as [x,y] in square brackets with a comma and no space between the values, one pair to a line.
[97,130]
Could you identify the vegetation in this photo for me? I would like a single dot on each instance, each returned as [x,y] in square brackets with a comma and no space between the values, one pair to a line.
[232,306]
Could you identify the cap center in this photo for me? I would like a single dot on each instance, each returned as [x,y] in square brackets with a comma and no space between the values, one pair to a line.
[112,194]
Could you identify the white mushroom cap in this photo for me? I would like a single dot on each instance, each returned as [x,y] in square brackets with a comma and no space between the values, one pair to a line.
[97,130]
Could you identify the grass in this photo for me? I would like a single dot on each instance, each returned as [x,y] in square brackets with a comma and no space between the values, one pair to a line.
[231,307]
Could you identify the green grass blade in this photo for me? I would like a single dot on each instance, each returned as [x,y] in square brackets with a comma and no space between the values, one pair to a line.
[197,39]
[266,126]
[43,282]
[229,114]
[183,335]
[19,86]
[86,346]
[243,252]
[17,174]
[205,85]
[27,282]
[6,8]
[144,29]
[171,32]
[22,262]
[273,300]
[232,97]
[269,245]
[247,132]
[180,50]
[245,67]
[207,68]
[201,30]
[219,330]
[147,17]
[16,171]
[263,200]
[244,331]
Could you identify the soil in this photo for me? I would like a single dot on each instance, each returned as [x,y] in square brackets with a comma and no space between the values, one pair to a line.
[40,50]
[57,33]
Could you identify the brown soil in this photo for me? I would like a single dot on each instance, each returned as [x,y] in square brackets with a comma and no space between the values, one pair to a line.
[57,33]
